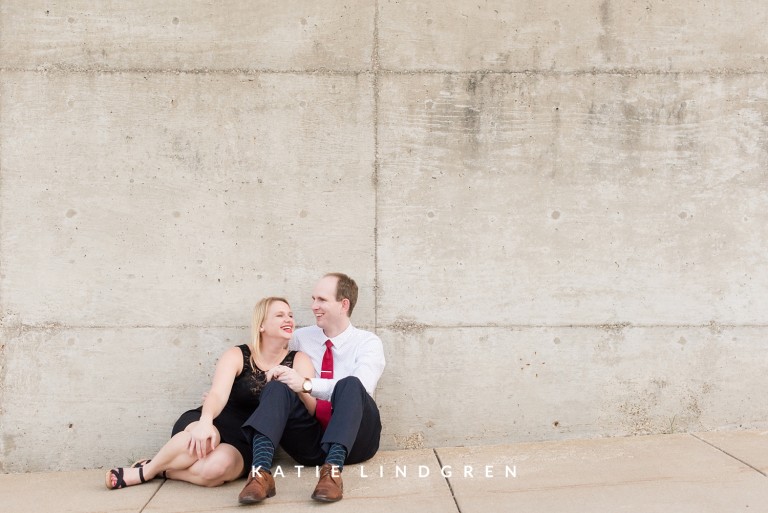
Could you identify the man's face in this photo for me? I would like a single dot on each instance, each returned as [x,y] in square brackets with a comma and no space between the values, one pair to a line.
[328,311]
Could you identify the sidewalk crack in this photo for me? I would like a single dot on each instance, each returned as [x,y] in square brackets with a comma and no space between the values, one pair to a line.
[447,480]
[729,454]
[152,497]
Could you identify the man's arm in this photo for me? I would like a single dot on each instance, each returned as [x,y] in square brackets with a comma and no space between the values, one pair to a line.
[369,365]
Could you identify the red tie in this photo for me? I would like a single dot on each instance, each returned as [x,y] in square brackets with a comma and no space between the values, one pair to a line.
[323,408]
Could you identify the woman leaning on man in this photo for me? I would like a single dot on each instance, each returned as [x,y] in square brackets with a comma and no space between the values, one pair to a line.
[207,446]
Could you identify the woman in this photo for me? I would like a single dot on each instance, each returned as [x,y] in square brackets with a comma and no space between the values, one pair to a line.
[208,447]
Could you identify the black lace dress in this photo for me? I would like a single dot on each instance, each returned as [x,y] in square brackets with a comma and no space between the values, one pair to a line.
[243,399]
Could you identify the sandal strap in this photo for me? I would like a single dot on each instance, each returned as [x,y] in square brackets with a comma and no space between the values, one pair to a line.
[118,473]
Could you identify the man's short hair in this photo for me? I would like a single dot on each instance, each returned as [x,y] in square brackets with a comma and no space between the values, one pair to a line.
[346,289]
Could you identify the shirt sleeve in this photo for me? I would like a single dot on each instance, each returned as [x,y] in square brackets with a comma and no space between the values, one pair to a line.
[293,344]
[368,366]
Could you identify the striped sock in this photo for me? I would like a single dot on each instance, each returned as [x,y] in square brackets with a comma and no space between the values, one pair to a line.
[263,452]
[336,456]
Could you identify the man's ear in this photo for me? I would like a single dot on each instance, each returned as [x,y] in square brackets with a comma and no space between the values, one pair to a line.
[345,305]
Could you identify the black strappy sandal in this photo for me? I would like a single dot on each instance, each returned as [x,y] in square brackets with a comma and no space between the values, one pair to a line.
[120,483]
[162,474]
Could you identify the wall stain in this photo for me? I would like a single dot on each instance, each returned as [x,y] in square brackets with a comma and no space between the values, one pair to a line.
[616,328]
[663,408]
[607,41]
[412,441]
[407,326]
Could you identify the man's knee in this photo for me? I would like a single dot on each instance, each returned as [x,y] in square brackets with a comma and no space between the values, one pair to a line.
[350,382]
[350,391]
[275,390]
[347,389]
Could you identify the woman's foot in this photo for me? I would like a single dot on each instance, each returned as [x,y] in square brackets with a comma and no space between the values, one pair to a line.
[121,477]
[140,463]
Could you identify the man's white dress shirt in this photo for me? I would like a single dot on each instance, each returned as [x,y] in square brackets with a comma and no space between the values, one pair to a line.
[356,353]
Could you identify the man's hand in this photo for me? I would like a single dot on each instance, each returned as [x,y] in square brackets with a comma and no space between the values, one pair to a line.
[286,375]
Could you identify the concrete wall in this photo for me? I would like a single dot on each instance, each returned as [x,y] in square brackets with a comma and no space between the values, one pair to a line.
[556,213]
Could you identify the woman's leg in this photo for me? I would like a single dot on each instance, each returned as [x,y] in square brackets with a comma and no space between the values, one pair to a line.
[225,463]
[174,456]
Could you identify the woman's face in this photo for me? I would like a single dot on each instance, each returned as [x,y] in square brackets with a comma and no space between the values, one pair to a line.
[279,321]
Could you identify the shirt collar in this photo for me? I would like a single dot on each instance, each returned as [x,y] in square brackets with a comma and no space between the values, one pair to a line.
[340,339]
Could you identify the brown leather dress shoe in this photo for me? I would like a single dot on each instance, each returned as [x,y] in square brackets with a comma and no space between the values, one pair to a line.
[329,488]
[258,487]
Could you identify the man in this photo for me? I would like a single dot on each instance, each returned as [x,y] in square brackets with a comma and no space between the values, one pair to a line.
[349,363]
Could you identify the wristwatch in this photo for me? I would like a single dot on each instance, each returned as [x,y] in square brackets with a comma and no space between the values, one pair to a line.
[306,387]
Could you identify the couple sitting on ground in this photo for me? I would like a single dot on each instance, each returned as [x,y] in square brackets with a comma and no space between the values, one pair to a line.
[314,399]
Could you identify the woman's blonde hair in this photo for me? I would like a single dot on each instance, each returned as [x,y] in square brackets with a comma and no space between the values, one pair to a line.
[259,314]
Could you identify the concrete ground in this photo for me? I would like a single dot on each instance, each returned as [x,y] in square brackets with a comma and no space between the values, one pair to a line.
[697,473]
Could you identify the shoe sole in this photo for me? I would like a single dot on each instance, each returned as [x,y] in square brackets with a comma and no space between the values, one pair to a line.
[271,493]
[325,499]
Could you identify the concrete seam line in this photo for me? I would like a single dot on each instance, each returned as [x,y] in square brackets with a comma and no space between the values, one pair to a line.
[414,326]
[60,326]
[453,495]
[152,497]
[576,72]
[2,260]
[393,326]
[193,71]
[375,68]
[62,68]
[729,454]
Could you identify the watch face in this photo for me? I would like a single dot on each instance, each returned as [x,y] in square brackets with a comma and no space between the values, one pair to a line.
[307,386]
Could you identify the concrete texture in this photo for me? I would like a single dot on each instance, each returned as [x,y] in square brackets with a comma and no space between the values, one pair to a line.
[528,383]
[140,188]
[101,396]
[374,492]
[599,35]
[667,182]
[749,447]
[637,474]
[556,213]
[659,473]
[184,35]
[70,492]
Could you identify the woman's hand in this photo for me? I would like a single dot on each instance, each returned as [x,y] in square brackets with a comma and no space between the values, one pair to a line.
[204,437]
[286,375]
[199,437]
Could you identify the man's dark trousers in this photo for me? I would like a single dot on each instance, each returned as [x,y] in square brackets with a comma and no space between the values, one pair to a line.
[283,418]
